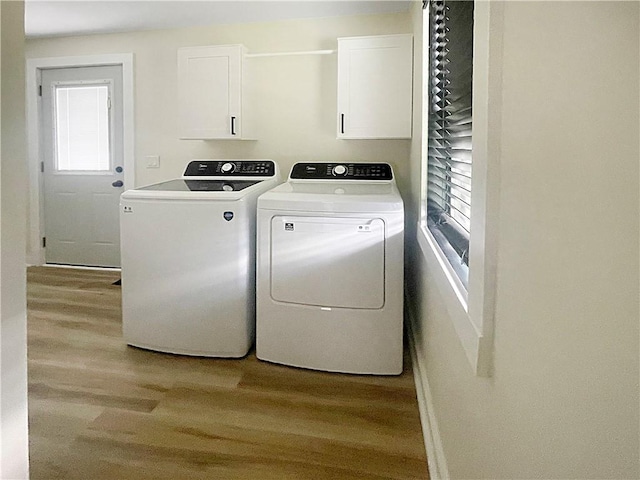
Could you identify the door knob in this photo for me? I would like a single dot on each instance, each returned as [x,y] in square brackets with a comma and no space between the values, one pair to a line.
[117,183]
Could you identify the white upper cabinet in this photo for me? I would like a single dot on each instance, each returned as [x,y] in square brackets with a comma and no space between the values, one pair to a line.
[211,96]
[375,78]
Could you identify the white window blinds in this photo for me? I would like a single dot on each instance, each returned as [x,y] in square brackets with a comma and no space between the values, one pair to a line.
[449,128]
[82,128]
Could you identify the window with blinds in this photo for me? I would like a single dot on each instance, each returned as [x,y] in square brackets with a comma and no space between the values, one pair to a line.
[450,68]
[82,128]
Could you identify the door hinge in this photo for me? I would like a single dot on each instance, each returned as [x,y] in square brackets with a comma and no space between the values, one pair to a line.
[42,167]
[109,102]
[39,90]
[44,242]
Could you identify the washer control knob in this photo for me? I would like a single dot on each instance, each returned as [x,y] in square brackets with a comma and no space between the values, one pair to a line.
[339,170]
[228,167]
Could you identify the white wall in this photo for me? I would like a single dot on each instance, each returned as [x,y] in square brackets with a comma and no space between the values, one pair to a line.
[14,463]
[563,399]
[296,108]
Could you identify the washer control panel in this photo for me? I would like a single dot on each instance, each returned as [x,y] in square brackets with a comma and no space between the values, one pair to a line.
[231,168]
[344,171]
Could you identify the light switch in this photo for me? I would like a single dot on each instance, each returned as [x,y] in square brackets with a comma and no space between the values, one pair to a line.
[153,161]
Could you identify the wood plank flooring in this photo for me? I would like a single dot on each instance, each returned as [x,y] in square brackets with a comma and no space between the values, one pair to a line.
[99,409]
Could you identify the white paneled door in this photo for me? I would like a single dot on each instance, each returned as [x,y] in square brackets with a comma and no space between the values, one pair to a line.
[82,144]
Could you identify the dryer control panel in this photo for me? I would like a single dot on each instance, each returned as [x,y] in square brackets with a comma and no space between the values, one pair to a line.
[230,168]
[342,171]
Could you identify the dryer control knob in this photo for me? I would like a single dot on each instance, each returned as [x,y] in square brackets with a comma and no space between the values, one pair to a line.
[339,170]
[228,167]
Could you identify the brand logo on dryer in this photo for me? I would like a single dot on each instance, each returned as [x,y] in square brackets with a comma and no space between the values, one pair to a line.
[228,216]
[288,226]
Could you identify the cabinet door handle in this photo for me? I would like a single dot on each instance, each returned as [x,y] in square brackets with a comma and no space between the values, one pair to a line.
[233,125]
[342,123]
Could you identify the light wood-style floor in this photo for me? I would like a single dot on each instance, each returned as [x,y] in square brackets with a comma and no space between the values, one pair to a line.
[102,410]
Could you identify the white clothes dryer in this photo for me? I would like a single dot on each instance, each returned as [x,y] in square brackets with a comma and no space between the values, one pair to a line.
[188,259]
[330,270]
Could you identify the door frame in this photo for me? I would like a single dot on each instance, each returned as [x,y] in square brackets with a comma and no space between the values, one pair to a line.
[35,227]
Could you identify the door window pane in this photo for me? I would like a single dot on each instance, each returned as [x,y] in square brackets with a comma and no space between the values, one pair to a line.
[82,128]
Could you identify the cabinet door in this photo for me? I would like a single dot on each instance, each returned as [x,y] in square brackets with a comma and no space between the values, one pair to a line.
[375,78]
[209,86]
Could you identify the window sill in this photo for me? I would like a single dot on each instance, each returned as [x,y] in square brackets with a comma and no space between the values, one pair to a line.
[476,346]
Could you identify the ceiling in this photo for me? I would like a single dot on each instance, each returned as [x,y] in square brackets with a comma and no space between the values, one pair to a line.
[47,18]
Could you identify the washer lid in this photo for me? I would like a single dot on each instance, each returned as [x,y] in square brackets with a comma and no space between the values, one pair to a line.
[225,180]
[185,189]
[186,185]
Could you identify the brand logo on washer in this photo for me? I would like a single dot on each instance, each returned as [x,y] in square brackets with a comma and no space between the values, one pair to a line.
[228,216]
[288,227]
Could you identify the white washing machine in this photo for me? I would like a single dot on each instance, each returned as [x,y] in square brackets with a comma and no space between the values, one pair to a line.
[188,259]
[330,270]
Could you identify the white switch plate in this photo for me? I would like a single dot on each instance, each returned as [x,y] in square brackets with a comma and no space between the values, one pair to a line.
[153,161]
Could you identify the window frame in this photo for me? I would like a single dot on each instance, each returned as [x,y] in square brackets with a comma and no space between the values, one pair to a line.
[472,309]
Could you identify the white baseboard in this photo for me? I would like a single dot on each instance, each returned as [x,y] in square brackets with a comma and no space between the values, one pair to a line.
[82,267]
[436,460]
